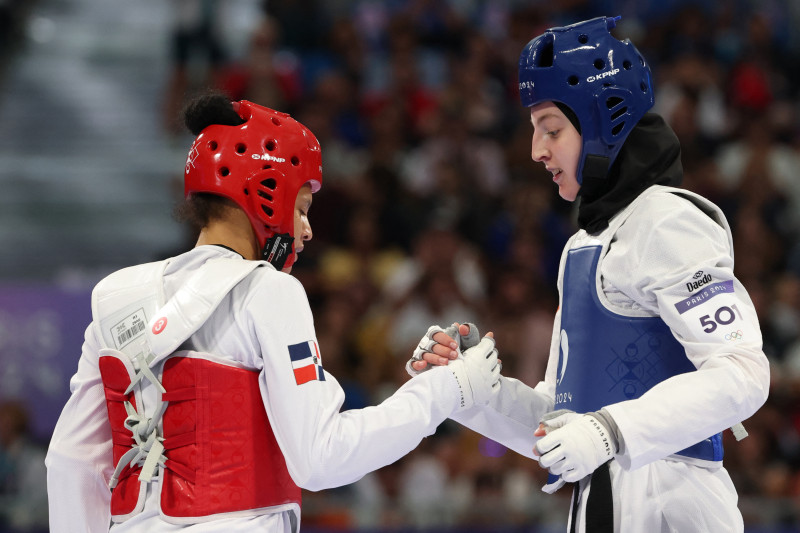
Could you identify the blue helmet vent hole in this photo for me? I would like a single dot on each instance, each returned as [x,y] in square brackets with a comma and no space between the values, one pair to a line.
[619,112]
[544,55]
[599,64]
[573,80]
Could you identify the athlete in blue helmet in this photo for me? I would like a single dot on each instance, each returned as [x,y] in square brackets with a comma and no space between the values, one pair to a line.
[656,347]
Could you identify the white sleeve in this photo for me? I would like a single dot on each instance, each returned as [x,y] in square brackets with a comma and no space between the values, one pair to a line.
[674,261]
[79,458]
[511,417]
[324,447]
[515,412]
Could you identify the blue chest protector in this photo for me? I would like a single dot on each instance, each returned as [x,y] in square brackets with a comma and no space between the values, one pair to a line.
[607,358]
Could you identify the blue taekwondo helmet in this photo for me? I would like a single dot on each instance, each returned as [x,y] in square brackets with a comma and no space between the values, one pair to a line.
[604,81]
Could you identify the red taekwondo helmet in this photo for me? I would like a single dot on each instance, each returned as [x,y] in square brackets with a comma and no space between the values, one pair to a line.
[261,166]
[604,81]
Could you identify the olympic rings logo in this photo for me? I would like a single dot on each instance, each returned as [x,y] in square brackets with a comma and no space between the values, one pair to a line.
[734,335]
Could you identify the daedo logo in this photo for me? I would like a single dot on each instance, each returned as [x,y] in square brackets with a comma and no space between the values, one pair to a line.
[701,279]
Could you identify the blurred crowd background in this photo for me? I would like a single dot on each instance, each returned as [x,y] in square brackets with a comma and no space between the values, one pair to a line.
[431,212]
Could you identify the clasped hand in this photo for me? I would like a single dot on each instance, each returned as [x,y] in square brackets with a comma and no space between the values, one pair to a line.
[476,369]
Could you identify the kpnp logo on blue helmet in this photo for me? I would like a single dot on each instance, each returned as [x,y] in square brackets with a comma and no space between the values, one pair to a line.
[604,81]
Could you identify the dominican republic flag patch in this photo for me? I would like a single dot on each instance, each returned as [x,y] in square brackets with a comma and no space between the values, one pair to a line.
[306,362]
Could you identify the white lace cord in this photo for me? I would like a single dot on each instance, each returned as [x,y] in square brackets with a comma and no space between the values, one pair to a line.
[148,448]
[143,371]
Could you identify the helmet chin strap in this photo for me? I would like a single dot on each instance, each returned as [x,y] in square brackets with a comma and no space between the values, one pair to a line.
[277,250]
[595,167]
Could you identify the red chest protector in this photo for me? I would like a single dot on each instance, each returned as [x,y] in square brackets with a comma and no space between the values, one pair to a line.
[204,439]
[220,454]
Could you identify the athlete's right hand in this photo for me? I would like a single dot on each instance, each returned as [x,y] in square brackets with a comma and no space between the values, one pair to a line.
[439,346]
[477,373]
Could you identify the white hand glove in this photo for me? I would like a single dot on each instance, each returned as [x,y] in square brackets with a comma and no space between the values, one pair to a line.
[477,372]
[426,345]
[575,445]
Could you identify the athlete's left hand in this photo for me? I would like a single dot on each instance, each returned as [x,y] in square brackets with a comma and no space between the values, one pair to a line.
[573,445]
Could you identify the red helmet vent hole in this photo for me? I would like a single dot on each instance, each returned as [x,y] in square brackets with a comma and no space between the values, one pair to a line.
[212,145]
[267,210]
[241,148]
[224,172]
[295,160]
[263,194]
[266,167]
[269,184]
[276,121]
[271,145]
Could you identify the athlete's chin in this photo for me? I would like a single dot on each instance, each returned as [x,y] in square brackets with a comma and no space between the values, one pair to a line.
[567,194]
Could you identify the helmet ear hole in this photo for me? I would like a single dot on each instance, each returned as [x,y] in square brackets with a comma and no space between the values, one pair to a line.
[267,210]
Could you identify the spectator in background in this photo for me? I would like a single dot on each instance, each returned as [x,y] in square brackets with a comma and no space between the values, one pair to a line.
[195,34]
[23,478]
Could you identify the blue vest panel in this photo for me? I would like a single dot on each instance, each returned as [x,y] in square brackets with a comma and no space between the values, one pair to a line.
[607,358]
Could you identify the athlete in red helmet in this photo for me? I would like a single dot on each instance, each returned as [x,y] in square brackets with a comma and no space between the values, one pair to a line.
[200,398]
